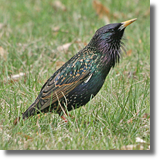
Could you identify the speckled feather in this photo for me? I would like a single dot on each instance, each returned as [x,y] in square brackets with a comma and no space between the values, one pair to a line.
[81,78]
[71,85]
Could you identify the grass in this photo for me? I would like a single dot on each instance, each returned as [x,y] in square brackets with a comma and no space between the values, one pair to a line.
[28,40]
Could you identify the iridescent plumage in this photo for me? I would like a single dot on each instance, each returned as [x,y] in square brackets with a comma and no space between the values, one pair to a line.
[81,78]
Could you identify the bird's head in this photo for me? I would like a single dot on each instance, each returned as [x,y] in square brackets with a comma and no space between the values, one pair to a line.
[108,38]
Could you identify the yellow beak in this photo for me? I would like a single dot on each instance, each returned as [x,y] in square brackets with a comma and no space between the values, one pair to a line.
[126,23]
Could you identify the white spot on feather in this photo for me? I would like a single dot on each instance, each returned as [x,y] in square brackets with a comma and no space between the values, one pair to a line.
[88,78]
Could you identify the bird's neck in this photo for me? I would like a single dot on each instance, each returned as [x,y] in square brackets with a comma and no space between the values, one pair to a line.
[109,52]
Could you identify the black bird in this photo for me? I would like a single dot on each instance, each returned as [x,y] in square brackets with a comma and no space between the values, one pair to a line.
[81,78]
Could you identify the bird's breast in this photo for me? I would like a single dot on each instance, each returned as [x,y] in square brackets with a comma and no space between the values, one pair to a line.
[85,91]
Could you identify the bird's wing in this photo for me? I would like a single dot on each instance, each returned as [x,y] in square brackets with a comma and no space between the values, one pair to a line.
[62,83]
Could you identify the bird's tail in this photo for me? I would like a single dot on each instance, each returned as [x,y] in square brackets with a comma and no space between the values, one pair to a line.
[29,112]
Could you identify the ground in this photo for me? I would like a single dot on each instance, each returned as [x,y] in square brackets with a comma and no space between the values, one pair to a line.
[36,38]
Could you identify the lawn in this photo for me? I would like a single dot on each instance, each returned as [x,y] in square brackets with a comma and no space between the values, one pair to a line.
[36,38]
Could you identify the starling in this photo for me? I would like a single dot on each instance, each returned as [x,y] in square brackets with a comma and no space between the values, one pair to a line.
[81,78]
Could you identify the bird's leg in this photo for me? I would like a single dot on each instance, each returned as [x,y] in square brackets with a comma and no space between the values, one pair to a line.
[64,118]
[16,121]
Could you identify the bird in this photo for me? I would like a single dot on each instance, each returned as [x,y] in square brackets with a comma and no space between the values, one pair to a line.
[80,78]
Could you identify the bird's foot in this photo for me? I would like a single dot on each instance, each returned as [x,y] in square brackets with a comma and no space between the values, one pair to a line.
[16,120]
[65,119]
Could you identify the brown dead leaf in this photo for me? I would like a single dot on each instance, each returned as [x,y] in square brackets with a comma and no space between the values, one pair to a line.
[140,41]
[101,10]
[147,13]
[56,29]
[129,52]
[104,13]
[80,43]
[14,78]
[25,136]
[146,115]
[64,47]
[58,5]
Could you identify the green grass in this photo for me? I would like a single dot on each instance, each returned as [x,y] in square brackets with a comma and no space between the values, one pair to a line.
[114,118]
